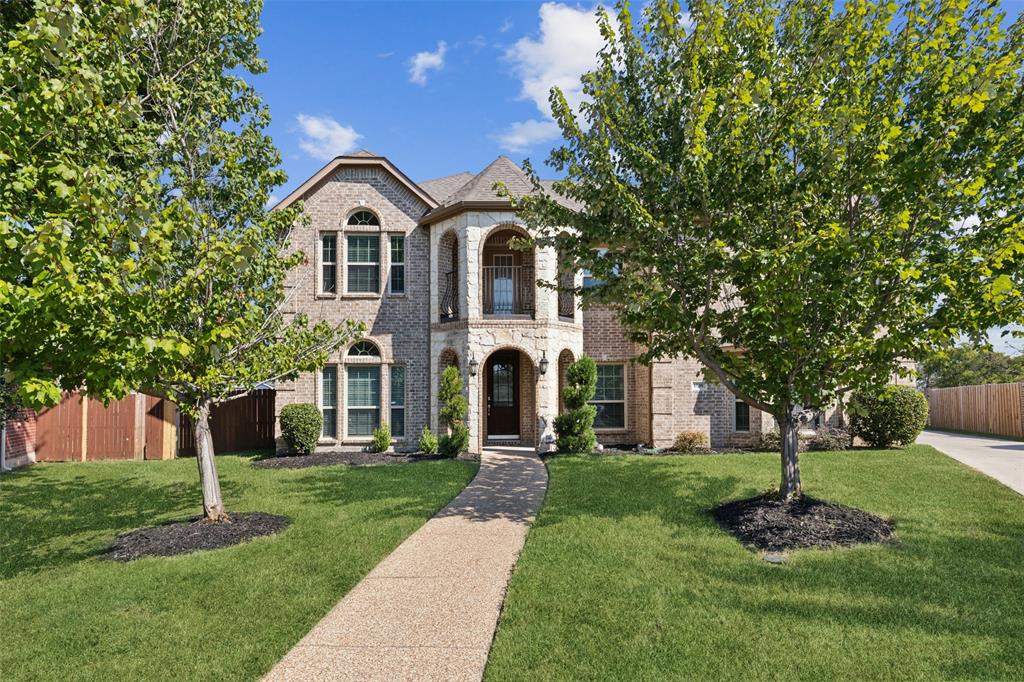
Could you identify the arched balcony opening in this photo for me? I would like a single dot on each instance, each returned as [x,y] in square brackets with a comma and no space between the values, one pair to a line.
[448,272]
[566,287]
[507,276]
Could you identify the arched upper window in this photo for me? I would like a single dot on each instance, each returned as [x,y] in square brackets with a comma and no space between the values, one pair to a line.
[363,349]
[363,218]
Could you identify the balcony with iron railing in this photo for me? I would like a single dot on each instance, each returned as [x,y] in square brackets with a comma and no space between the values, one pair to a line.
[450,297]
[508,290]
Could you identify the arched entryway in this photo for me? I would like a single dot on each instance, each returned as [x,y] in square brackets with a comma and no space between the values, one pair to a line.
[508,391]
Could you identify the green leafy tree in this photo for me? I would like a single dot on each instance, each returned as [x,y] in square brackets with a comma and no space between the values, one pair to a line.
[575,428]
[968,365]
[80,228]
[454,410]
[796,194]
[220,289]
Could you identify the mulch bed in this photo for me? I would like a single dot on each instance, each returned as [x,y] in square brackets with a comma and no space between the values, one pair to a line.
[766,523]
[195,535]
[352,458]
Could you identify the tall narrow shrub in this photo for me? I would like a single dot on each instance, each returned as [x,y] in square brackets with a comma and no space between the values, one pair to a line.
[575,428]
[454,410]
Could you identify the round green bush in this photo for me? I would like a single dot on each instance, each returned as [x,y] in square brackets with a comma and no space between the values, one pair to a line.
[894,417]
[456,442]
[301,426]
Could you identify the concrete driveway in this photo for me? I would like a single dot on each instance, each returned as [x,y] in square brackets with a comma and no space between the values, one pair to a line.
[1003,460]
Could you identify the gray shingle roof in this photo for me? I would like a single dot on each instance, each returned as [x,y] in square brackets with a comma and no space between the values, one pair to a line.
[442,188]
[465,187]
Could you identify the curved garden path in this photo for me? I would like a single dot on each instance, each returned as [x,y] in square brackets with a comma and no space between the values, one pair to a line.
[429,610]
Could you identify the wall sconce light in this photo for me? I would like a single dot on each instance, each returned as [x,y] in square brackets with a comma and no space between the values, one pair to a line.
[473,366]
[543,363]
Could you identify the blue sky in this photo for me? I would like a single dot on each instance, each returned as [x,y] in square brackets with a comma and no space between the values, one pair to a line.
[437,87]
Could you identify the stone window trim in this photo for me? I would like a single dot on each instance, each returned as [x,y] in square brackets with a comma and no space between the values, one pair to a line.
[625,364]
[341,363]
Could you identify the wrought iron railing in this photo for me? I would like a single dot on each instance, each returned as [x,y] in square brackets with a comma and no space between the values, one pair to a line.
[566,294]
[508,289]
[450,297]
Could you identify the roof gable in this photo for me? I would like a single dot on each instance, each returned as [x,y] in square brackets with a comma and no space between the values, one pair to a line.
[363,157]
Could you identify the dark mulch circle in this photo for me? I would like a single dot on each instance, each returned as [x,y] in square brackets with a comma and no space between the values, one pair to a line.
[353,458]
[766,523]
[195,535]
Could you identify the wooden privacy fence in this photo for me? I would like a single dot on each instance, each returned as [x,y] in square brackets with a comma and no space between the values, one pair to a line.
[79,429]
[987,408]
[239,425]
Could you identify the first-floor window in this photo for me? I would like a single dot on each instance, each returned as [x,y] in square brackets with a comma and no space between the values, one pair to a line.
[329,400]
[363,399]
[742,416]
[398,401]
[610,397]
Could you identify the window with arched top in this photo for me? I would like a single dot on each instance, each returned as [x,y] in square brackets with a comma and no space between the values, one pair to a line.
[363,349]
[363,218]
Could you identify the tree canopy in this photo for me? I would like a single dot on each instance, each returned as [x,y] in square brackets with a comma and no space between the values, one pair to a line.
[968,365]
[799,195]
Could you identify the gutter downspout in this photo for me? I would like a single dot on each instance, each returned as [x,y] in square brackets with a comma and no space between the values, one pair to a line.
[3,447]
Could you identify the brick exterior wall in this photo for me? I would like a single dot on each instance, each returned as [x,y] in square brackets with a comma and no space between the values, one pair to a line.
[396,324]
[21,439]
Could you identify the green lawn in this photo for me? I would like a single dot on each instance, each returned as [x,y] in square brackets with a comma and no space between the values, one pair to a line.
[223,615]
[624,576]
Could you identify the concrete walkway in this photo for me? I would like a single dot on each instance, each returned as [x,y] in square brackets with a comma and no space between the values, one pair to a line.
[429,610]
[1003,460]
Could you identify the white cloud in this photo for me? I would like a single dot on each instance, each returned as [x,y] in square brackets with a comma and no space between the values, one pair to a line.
[324,138]
[522,135]
[271,200]
[505,26]
[566,48]
[426,61]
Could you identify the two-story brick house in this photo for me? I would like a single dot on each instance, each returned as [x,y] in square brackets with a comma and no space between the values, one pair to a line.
[428,268]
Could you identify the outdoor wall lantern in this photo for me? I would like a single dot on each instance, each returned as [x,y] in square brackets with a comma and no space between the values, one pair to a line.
[543,363]
[473,366]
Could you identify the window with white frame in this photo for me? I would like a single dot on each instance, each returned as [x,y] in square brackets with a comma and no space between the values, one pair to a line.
[610,397]
[363,261]
[741,416]
[363,399]
[396,279]
[328,264]
[329,400]
[397,401]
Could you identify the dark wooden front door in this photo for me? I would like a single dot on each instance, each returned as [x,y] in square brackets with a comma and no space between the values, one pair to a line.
[503,395]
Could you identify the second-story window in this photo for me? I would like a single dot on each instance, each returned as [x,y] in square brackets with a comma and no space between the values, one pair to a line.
[363,263]
[329,263]
[396,282]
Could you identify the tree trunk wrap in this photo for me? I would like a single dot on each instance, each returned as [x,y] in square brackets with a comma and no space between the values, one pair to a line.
[213,505]
[790,487]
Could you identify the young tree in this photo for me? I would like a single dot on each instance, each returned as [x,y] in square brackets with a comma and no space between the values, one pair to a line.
[78,194]
[220,289]
[795,194]
[454,409]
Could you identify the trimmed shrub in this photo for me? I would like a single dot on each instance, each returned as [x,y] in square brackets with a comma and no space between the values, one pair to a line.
[428,441]
[454,410]
[830,439]
[770,441]
[301,426]
[575,428]
[382,438]
[894,417]
[691,441]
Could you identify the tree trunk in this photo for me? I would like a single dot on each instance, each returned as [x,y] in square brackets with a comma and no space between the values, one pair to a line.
[213,505]
[790,486]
